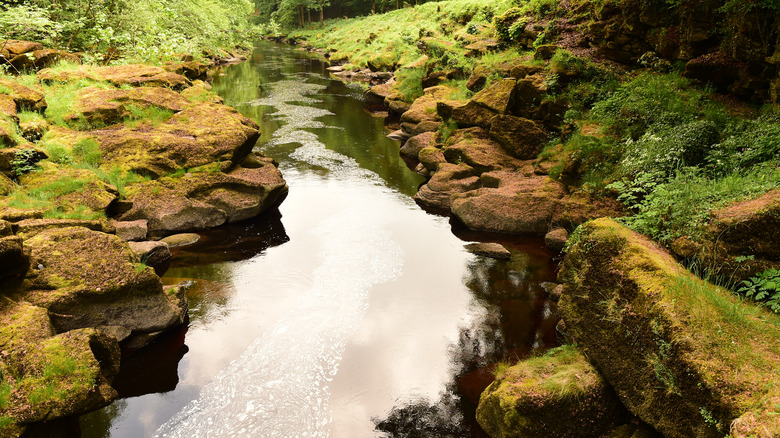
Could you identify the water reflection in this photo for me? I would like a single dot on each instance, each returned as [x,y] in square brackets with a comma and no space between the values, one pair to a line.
[360,312]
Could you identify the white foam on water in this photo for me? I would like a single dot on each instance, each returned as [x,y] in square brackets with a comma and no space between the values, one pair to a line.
[279,386]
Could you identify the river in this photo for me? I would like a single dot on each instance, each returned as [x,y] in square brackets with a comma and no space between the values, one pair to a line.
[348,307]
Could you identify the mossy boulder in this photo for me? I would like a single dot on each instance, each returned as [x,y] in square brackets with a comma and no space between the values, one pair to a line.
[44,376]
[205,197]
[686,357]
[25,97]
[424,107]
[87,278]
[135,75]
[385,61]
[108,106]
[8,107]
[78,193]
[559,394]
[192,70]
[203,133]
[414,145]
[498,96]
[473,147]
[522,138]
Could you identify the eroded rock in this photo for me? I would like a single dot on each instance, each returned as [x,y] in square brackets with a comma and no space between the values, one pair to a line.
[87,278]
[204,198]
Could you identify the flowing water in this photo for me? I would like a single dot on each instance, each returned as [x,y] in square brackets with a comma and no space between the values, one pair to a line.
[349,312]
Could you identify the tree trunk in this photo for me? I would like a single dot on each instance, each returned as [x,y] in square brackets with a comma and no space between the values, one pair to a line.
[308,12]
[398,4]
[322,16]
[300,15]
[373,6]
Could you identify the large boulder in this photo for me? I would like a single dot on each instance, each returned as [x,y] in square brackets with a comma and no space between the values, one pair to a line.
[498,96]
[130,74]
[522,138]
[204,197]
[44,376]
[473,147]
[683,355]
[526,205]
[414,145]
[201,134]
[108,106]
[87,278]
[26,98]
[424,107]
[741,239]
[559,395]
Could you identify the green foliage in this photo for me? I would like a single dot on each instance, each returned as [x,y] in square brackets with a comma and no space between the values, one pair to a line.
[24,161]
[119,177]
[409,82]
[87,151]
[764,287]
[682,205]
[665,148]
[146,29]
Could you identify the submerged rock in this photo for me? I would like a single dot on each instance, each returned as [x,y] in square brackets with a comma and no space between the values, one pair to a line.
[686,357]
[556,239]
[492,250]
[556,395]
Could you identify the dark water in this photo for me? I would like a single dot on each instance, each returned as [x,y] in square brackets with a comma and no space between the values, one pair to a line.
[347,308]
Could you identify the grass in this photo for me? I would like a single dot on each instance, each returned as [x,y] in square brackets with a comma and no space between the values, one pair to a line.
[562,371]
[48,198]
[61,98]
[682,206]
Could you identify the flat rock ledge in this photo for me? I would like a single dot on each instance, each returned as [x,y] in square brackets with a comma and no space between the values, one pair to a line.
[686,357]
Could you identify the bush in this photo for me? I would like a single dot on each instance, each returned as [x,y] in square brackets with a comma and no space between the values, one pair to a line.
[682,205]
[764,287]
[665,148]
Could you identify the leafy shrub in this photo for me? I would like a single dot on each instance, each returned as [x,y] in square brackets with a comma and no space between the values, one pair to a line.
[745,144]
[665,148]
[764,287]
[24,161]
[651,99]
[681,206]
[505,21]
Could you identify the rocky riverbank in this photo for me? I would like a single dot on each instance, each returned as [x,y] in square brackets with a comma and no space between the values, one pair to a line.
[526,149]
[97,164]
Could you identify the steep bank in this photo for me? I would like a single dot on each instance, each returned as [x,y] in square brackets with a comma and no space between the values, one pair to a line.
[98,163]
